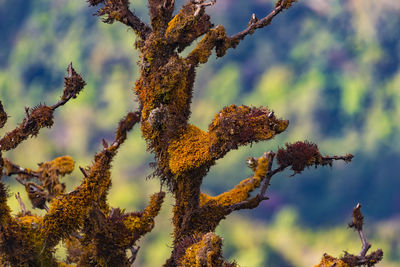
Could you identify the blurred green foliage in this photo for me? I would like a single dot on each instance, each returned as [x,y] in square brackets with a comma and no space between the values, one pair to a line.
[330,67]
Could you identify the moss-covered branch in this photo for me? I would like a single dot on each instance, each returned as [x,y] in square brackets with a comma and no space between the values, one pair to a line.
[41,116]
[119,10]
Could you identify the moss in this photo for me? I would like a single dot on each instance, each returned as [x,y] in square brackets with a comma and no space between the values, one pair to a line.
[3,116]
[23,245]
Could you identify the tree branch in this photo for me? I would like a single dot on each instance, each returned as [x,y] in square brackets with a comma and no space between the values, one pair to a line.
[221,42]
[160,13]
[14,169]
[119,10]
[235,126]
[42,116]
[362,258]
[255,23]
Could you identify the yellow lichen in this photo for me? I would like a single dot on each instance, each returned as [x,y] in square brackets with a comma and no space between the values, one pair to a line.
[138,225]
[207,252]
[329,261]
[240,192]
[203,49]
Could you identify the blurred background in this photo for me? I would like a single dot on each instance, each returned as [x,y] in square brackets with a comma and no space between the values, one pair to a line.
[330,67]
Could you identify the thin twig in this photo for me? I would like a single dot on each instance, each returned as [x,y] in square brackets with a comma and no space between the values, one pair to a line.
[20,180]
[266,183]
[347,158]
[365,245]
[134,251]
[76,235]
[83,171]
[15,169]
[258,24]
[21,203]
[201,5]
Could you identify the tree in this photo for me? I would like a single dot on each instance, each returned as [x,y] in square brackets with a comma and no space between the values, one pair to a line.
[98,235]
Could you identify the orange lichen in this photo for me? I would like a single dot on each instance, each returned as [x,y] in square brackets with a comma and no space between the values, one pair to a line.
[329,261]
[190,150]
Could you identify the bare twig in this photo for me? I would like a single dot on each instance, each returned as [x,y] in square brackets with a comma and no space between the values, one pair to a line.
[200,5]
[347,158]
[19,180]
[257,24]
[45,207]
[15,169]
[134,251]
[365,245]
[76,235]
[84,172]
[21,203]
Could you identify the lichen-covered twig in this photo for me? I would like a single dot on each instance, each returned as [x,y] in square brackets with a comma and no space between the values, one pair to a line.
[42,116]
[254,201]
[10,168]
